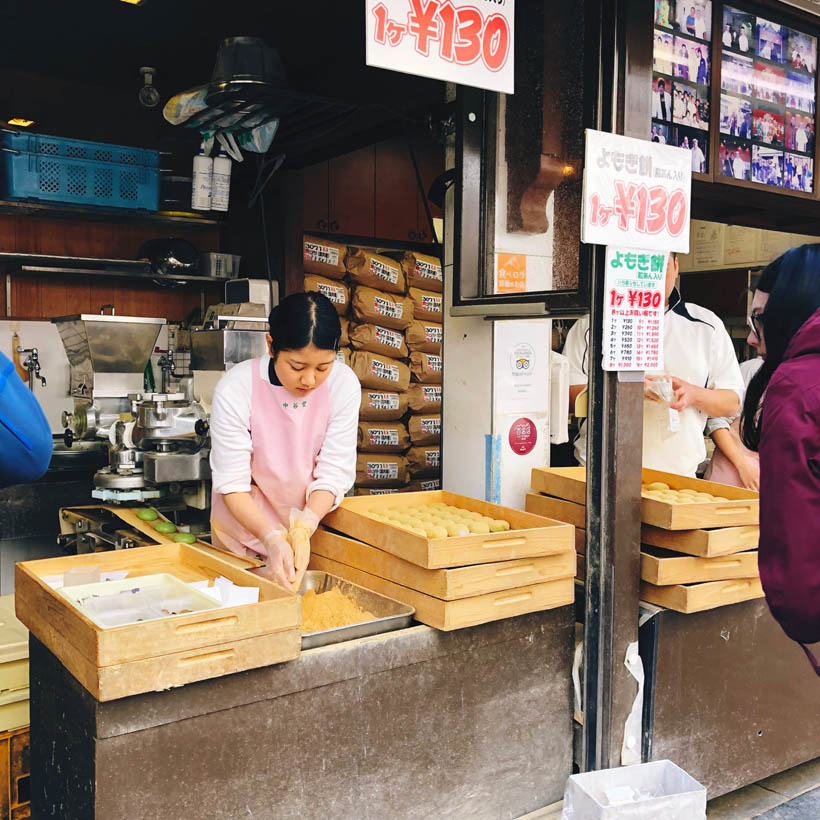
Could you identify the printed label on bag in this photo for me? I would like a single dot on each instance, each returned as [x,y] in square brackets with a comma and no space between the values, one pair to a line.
[384,271]
[431,304]
[383,401]
[382,471]
[432,393]
[432,334]
[388,337]
[431,457]
[432,484]
[340,356]
[431,427]
[383,438]
[380,370]
[381,492]
[321,253]
[434,363]
[426,270]
[384,307]
[336,295]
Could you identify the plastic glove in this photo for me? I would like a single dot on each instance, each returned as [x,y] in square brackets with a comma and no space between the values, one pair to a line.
[303,524]
[279,566]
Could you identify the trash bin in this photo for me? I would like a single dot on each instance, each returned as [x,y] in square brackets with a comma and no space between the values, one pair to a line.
[649,791]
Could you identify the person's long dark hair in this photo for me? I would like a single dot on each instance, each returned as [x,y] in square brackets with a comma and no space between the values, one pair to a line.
[302,319]
[793,284]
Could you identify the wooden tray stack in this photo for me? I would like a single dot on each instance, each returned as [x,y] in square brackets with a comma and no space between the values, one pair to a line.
[452,582]
[694,556]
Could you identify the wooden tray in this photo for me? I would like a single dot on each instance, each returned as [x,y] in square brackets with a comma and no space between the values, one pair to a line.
[580,541]
[530,536]
[557,509]
[569,483]
[705,543]
[153,655]
[447,584]
[664,568]
[448,615]
[697,597]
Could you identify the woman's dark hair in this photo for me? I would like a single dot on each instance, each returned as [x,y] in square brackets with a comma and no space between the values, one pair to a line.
[793,284]
[302,319]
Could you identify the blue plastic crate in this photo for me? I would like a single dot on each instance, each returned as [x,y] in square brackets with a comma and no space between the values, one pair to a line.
[50,176]
[80,149]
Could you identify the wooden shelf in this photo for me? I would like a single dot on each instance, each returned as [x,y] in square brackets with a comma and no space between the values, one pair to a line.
[40,270]
[106,215]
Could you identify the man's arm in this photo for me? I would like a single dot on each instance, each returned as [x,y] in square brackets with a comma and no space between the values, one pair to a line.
[712,402]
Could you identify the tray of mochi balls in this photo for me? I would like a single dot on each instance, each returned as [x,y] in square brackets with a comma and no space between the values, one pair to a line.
[675,502]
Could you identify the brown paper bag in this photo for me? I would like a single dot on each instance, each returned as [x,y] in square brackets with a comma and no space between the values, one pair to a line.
[343,355]
[379,490]
[424,336]
[380,340]
[345,340]
[380,470]
[378,405]
[337,292]
[424,398]
[323,257]
[383,309]
[427,306]
[422,271]
[375,271]
[425,429]
[423,485]
[426,368]
[382,437]
[424,461]
[380,372]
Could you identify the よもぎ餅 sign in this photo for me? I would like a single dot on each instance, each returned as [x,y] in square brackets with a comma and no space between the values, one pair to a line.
[637,194]
[469,42]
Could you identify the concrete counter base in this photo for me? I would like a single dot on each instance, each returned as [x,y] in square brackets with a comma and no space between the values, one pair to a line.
[474,723]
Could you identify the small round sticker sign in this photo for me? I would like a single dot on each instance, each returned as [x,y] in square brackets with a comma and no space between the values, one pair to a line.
[523,436]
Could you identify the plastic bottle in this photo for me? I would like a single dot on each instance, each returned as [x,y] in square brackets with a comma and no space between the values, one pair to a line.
[201,185]
[221,186]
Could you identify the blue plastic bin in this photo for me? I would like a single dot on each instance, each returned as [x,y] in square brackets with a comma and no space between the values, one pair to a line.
[78,172]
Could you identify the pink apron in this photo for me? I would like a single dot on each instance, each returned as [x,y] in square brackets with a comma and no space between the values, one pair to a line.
[287,434]
[720,469]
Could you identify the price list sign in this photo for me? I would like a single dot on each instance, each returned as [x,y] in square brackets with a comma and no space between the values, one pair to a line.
[635,304]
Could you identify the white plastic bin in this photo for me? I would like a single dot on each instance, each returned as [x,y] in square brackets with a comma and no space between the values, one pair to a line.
[649,791]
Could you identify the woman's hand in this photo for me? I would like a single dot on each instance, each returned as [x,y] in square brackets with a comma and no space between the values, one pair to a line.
[749,471]
[279,566]
[303,524]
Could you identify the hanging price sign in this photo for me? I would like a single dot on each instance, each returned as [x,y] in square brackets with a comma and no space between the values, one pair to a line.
[637,194]
[635,303]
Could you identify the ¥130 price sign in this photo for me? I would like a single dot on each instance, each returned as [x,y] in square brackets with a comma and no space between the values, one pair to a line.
[635,303]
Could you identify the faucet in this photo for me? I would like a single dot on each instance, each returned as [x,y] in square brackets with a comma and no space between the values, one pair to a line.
[32,364]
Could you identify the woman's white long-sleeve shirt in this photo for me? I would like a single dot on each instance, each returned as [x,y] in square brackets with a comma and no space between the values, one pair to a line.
[231,446]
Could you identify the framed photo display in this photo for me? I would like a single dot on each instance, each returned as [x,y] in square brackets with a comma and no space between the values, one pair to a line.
[758,74]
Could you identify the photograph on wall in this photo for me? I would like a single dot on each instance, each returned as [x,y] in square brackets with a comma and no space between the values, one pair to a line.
[770,41]
[735,158]
[662,54]
[661,134]
[768,123]
[800,91]
[664,13]
[735,116]
[767,165]
[738,30]
[694,18]
[737,74]
[691,105]
[799,133]
[769,83]
[661,99]
[801,51]
[697,143]
[798,173]
[691,61]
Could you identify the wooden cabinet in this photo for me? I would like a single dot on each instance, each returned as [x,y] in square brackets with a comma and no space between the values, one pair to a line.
[316,213]
[352,203]
[396,192]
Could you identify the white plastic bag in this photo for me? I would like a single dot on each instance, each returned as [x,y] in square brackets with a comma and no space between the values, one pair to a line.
[660,387]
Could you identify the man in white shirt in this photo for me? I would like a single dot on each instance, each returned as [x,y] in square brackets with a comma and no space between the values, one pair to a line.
[706,379]
[743,40]
[800,139]
[662,103]
[738,167]
[727,36]
[698,159]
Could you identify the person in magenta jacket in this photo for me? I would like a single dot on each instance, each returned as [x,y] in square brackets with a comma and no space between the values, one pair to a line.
[781,420]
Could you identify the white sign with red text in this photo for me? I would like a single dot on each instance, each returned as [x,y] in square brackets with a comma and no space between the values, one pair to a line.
[637,194]
[469,42]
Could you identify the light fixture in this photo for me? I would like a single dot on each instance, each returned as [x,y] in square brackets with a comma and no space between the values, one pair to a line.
[133,2]
[148,94]
[20,122]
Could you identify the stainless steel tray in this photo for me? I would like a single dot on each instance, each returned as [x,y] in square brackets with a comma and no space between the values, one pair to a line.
[390,614]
